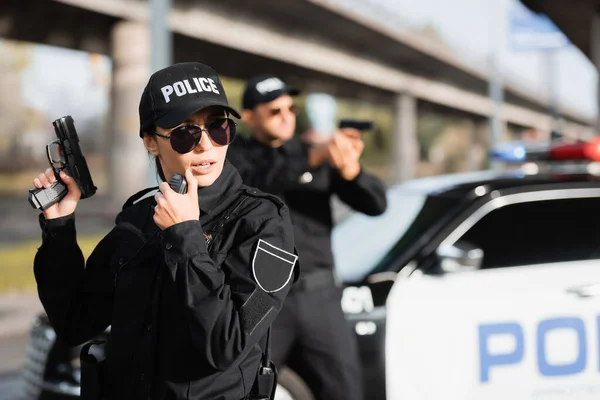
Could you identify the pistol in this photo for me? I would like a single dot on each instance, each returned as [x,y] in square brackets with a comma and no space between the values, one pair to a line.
[357,124]
[64,154]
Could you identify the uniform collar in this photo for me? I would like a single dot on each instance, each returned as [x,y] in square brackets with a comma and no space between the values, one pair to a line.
[209,197]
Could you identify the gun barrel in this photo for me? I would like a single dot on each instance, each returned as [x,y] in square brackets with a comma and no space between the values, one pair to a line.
[361,125]
[65,128]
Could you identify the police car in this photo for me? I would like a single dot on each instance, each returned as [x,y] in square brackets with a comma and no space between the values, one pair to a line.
[482,285]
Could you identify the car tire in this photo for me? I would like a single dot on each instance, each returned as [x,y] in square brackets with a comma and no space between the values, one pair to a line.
[291,387]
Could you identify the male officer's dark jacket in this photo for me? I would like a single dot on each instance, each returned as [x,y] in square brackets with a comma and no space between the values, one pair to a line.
[285,172]
[187,322]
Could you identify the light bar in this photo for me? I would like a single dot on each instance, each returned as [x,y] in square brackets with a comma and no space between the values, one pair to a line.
[519,152]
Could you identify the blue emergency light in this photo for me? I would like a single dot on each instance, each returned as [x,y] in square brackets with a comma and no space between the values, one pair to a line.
[513,152]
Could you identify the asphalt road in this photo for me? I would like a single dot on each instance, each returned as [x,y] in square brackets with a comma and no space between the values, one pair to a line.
[12,355]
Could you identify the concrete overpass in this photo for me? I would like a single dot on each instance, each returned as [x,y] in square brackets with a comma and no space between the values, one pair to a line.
[311,43]
[580,21]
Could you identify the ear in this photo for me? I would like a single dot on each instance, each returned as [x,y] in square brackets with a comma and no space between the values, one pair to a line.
[151,144]
[248,117]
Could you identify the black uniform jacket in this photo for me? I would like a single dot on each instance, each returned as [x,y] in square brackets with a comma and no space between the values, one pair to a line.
[187,322]
[285,172]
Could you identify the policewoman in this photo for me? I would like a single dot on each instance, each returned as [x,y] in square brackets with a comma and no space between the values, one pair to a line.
[189,283]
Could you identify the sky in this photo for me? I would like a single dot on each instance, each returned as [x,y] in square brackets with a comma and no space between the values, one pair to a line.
[66,82]
[464,25]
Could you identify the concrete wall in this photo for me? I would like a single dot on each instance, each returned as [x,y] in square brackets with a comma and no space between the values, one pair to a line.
[128,158]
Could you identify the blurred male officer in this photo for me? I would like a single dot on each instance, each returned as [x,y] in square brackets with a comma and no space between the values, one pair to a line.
[310,334]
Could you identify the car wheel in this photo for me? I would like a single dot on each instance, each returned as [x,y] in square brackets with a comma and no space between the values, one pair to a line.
[291,387]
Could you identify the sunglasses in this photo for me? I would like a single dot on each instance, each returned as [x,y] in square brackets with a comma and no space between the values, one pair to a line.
[186,137]
[276,111]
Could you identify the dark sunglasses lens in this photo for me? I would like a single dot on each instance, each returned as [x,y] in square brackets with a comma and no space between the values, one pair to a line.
[276,111]
[185,138]
[222,131]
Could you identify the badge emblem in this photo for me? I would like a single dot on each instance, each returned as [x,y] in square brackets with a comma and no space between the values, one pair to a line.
[272,267]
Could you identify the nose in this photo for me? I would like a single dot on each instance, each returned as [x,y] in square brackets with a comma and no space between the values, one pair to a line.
[288,115]
[205,142]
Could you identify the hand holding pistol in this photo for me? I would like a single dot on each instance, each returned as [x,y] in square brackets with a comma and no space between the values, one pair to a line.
[69,178]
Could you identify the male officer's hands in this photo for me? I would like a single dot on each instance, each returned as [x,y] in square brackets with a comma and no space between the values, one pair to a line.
[173,208]
[68,204]
[342,151]
[345,149]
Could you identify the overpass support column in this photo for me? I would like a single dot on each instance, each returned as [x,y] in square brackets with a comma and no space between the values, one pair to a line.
[595,42]
[404,137]
[128,160]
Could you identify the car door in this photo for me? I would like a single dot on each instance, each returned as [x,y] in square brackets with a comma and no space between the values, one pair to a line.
[524,325]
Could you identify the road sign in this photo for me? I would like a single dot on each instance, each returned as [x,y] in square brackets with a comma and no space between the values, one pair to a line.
[531,31]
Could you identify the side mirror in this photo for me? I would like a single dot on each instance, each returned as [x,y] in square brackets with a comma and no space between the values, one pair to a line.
[462,256]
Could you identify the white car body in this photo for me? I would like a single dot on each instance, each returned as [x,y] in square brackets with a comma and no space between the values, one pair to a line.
[526,332]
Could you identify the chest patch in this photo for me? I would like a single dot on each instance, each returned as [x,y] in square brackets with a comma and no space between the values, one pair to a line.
[272,267]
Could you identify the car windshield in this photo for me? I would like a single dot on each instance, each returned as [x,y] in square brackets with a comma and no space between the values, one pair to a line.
[360,242]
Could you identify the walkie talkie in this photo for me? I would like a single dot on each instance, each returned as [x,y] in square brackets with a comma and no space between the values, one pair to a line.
[178,183]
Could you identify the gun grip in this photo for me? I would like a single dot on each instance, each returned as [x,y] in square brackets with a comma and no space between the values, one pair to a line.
[42,199]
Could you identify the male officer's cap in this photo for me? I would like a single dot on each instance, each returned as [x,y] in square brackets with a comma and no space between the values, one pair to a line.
[263,89]
[175,93]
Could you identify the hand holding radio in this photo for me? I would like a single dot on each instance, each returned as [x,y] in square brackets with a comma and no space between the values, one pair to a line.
[177,201]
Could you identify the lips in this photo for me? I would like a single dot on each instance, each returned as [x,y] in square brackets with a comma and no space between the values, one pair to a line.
[203,167]
[203,164]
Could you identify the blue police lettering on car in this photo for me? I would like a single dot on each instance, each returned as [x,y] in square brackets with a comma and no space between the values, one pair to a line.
[487,360]
[272,267]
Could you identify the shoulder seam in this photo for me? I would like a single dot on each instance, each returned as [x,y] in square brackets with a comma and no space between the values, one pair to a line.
[145,196]
[253,192]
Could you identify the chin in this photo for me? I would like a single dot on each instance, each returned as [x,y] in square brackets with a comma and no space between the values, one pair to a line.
[281,135]
[206,180]
[287,136]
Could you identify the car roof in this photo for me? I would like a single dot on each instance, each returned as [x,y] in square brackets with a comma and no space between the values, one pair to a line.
[461,183]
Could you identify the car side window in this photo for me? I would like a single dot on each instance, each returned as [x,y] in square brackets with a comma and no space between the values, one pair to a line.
[538,232]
